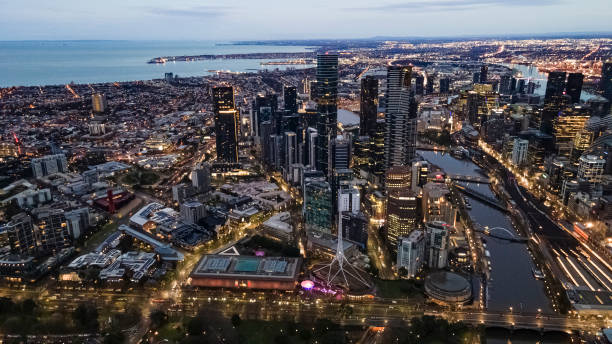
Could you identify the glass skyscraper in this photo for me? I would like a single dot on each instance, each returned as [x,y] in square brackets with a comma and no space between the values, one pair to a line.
[327,106]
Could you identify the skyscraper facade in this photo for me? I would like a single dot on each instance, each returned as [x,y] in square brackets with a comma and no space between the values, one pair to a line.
[574,86]
[290,99]
[400,117]
[368,106]
[555,85]
[327,106]
[401,214]
[606,80]
[226,124]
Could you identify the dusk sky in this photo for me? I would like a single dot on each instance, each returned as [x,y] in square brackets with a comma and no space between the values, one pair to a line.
[289,19]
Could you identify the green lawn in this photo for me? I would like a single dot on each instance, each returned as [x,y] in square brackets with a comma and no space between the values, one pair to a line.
[172,331]
[399,289]
[264,332]
[99,236]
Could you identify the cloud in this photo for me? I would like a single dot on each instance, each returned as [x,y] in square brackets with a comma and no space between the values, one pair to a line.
[193,12]
[457,5]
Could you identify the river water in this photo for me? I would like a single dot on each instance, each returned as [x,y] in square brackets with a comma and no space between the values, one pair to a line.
[512,283]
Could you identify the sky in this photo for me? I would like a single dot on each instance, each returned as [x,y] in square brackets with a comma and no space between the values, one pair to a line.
[291,19]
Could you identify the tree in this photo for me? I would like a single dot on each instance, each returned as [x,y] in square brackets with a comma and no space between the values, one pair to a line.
[196,325]
[236,320]
[28,306]
[86,316]
[158,318]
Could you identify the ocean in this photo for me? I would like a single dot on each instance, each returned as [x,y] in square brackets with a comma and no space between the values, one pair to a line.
[33,63]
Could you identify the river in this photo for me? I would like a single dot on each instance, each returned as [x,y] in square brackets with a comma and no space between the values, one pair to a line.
[512,283]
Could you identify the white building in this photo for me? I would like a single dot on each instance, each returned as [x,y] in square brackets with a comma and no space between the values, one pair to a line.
[590,168]
[200,178]
[348,199]
[519,151]
[192,212]
[49,164]
[438,234]
[411,252]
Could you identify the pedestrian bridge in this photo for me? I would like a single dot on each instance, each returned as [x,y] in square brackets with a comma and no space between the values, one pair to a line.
[495,203]
[499,233]
[467,178]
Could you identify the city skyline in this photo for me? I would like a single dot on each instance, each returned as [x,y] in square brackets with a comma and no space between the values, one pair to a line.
[191,20]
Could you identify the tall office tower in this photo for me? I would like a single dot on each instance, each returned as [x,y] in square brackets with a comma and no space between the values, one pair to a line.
[98,102]
[267,130]
[419,173]
[310,156]
[574,86]
[476,78]
[341,153]
[550,110]
[411,253]
[512,85]
[445,85]
[348,199]
[429,88]
[318,208]
[436,204]
[192,212]
[226,124]
[327,107]
[519,151]
[484,71]
[265,108]
[438,238]
[290,99]
[362,159]
[566,125]
[290,149]
[368,106]
[606,81]
[169,77]
[400,117]
[530,87]
[554,86]
[401,215]
[398,177]
[504,83]
[200,178]
[520,88]
[355,228]
[378,149]
[277,155]
[419,84]
[49,164]
[591,168]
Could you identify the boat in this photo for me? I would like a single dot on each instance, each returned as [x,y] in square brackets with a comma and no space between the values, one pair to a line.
[537,274]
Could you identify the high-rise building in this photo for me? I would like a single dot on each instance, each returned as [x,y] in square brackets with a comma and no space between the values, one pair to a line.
[401,215]
[568,123]
[78,221]
[438,237]
[290,149]
[445,85]
[327,107]
[574,86]
[98,102]
[377,149]
[192,212]
[226,124]
[368,106]
[200,178]
[265,108]
[290,99]
[484,71]
[555,85]
[318,206]
[504,83]
[341,153]
[606,80]
[436,205]
[591,168]
[21,235]
[411,253]
[519,151]
[429,88]
[363,154]
[311,147]
[400,117]
[348,199]
[420,171]
[355,228]
[398,177]
[49,164]
[419,84]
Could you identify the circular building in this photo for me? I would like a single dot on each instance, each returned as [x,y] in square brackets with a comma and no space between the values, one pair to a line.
[448,288]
